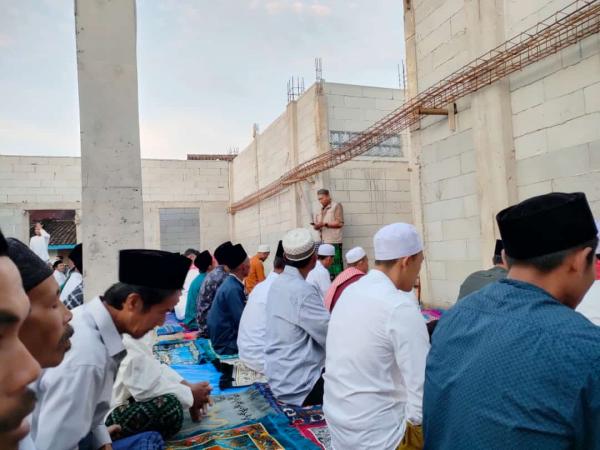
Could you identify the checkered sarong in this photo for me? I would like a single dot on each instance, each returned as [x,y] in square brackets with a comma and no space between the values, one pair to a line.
[163,414]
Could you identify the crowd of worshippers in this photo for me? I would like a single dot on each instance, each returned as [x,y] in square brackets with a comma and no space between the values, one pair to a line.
[512,365]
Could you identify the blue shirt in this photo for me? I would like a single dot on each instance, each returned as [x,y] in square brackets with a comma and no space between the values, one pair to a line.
[225,314]
[190,306]
[512,368]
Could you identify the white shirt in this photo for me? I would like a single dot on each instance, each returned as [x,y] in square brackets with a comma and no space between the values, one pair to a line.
[143,377]
[74,398]
[39,245]
[377,345]
[590,305]
[182,303]
[295,339]
[59,277]
[74,280]
[320,278]
[253,326]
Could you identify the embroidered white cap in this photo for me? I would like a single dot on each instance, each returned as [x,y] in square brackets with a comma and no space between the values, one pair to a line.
[326,250]
[397,240]
[264,248]
[355,255]
[298,244]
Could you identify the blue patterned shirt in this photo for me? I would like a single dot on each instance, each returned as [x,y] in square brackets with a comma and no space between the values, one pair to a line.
[207,294]
[512,368]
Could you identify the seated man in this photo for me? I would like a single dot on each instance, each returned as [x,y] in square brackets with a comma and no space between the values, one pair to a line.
[181,306]
[203,263]
[513,366]
[297,318]
[253,325]
[74,398]
[210,285]
[320,276]
[482,278]
[226,311]
[148,395]
[18,368]
[376,350]
[358,266]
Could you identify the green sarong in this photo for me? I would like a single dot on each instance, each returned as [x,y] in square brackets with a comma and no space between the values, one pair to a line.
[338,262]
[163,414]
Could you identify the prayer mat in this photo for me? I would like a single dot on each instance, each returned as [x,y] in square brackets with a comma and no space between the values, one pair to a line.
[209,354]
[197,373]
[296,415]
[319,434]
[270,433]
[178,352]
[163,414]
[237,374]
[169,338]
[169,328]
[431,314]
[228,411]
[142,441]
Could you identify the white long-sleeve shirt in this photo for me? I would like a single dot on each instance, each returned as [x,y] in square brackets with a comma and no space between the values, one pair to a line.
[377,346]
[143,377]
[39,245]
[320,278]
[590,305]
[253,326]
[182,303]
[74,398]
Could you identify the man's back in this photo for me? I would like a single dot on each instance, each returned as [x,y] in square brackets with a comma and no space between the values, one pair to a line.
[511,367]
[295,340]
[225,314]
[481,279]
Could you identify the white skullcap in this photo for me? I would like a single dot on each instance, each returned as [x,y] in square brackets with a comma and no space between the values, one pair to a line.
[355,255]
[298,244]
[264,248]
[397,240]
[326,250]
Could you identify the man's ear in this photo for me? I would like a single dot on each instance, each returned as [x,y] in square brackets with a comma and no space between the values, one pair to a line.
[133,302]
[579,260]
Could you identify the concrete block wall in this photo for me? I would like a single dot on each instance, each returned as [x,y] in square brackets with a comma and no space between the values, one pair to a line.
[30,183]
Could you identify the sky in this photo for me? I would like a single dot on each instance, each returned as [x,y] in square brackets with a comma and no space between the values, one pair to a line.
[207,69]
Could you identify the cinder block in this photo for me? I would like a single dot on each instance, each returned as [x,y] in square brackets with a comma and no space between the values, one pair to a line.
[532,144]
[592,97]
[568,162]
[459,272]
[572,78]
[468,162]
[433,231]
[471,206]
[437,269]
[444,210]
[461,228]
[581,130]
[527,97]
[531,190]
[447,168]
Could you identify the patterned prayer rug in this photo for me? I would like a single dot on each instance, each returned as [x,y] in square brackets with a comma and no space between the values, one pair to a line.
[270,433]
[178,352]
[319,434]
[296,415]
[228,411]
[169,328]
[237,374]
[431,314]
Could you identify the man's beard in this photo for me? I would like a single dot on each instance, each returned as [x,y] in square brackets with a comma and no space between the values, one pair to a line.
[16,416]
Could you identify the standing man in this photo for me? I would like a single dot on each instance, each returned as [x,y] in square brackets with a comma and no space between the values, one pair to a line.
[59,272]
[226,310]
[253,324]
[39,242]
[329,222]
[478,280]
[210,285]
[320,277]
[375,371]
[295,344]
[74,398]
[358,266]
[257,268]
[18,368]
[513,365]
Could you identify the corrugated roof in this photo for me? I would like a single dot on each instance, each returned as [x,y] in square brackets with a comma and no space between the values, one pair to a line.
[62,232]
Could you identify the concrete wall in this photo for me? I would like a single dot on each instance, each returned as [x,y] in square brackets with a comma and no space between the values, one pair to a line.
[374,190]
[30,183]
[529,134]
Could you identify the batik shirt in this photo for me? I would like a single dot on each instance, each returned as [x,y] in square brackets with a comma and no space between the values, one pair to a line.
[512,368]
[207,294]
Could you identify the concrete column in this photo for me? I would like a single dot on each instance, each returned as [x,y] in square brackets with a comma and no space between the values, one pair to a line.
[413,139]
[112,211]
[492,125]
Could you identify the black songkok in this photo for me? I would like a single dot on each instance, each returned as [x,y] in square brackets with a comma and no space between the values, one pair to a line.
[31,267]
[153,268]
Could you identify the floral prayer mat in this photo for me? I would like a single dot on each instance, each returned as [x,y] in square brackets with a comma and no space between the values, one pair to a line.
[319,434]
[296,415]
[178,352]
[228,411]
[270,433]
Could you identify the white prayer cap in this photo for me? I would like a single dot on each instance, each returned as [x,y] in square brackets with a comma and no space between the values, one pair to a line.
[326,250]
[264,248]
[354,255]
[298,244]
[397,240]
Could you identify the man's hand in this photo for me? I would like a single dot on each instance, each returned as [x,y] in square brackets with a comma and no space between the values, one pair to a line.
[318,225]
[201,393]
[106,447]
[114,431]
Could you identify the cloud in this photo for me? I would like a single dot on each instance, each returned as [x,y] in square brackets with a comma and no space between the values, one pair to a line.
[320,10]
[296,7]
